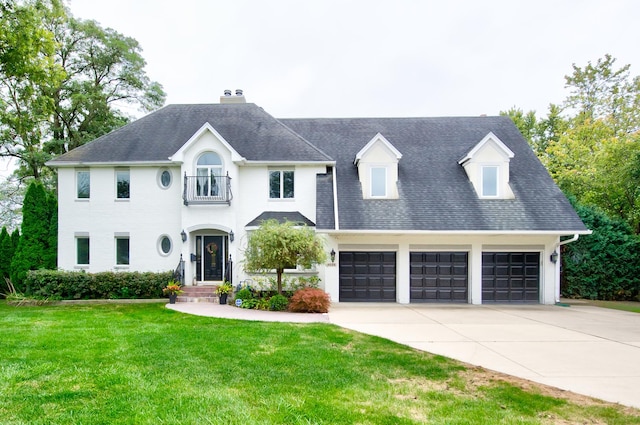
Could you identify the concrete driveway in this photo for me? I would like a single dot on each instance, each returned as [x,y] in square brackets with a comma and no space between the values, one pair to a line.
[587,350]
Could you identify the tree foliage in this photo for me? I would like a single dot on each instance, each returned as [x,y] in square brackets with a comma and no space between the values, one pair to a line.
[592,151]
[603,265]
[62,81]
[27,73]
[36,248]
[278,246]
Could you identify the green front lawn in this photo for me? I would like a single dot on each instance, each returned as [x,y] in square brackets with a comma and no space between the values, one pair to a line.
[632,306]
[145,364]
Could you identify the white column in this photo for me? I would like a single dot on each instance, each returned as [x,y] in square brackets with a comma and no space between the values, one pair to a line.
[475,273]
[403,274]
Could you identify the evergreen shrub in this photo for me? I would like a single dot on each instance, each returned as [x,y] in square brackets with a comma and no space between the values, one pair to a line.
[65,285]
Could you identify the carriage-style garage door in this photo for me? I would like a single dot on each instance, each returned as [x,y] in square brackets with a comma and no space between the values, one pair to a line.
[511,277]
[368,276]
[439,277]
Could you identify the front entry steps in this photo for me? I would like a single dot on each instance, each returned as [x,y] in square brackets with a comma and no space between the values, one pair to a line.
[198,294]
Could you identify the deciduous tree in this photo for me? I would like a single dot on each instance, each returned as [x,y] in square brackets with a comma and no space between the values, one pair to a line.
[279,246]
[62,81]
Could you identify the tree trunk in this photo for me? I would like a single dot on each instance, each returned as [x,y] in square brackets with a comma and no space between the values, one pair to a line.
[279,278]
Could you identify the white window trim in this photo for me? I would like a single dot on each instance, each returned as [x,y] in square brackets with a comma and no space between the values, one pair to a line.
[159,246]
[281,171]
[83,235]
[115,175]
[386,181]
[498,191]
[124,235]
[160,172]
[78,171]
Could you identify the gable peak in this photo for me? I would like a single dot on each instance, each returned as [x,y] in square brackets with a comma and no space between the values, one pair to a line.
[378,138]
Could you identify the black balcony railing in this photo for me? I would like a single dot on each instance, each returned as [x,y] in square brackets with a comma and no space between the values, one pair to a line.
[207,190]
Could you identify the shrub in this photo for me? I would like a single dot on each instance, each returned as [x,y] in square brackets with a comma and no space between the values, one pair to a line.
[262,304]
[310,300]
[244,294]
[604,265]
[249,303]
[55,284]
[278,303]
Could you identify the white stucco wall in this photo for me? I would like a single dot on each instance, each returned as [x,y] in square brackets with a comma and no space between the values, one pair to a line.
[150,213]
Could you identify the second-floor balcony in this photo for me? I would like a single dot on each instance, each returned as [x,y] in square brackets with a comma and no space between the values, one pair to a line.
[207,189]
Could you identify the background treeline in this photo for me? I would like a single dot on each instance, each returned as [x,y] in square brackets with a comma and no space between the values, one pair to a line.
[590,145]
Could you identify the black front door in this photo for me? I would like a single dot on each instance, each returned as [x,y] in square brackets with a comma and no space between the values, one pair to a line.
[210,255]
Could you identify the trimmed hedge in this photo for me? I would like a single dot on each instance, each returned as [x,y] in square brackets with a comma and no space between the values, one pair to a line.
[65,285]
[604,265]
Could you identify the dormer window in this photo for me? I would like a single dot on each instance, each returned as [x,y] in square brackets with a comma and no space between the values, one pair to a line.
[487,166]
[378,182]
[377,164]
[489,181]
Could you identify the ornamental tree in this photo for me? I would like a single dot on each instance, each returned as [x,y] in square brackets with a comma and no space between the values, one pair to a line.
[278,246]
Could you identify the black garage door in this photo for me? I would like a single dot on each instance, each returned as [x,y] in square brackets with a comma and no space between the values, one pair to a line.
[368,276]
[439,277]
[511,277]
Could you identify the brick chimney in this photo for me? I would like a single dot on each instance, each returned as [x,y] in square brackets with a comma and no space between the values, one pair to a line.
[229,98]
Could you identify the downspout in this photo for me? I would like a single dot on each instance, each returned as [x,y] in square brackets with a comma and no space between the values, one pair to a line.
[559,263]
[335,198]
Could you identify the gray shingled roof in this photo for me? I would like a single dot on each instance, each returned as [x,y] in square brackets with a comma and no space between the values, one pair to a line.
[435,192]
[281,216]
[252,132]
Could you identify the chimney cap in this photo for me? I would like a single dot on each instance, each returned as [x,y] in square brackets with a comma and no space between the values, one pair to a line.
[228,98]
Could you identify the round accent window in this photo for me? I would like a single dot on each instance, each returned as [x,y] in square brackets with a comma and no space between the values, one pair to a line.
[165,178]
[165,245]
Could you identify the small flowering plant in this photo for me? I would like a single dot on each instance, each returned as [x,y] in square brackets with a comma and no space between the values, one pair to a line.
[173,288]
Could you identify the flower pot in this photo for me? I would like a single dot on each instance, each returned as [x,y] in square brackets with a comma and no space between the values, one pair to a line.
[223,298]
[173,298]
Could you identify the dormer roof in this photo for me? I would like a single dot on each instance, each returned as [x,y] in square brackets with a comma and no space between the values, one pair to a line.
[488,139]
[378,138]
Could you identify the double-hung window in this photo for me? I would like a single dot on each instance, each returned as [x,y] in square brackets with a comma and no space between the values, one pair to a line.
[82,250]
[122,250]
[83,184]
[490,181]
[123,182]
[281,183]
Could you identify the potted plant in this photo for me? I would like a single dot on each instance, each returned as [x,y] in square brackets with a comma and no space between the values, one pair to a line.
[223,291]
[173,289]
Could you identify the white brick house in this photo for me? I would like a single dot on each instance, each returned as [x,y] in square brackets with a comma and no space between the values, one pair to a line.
[453,209]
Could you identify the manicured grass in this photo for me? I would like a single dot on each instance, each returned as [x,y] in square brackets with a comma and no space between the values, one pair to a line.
[631,306]
[145,364]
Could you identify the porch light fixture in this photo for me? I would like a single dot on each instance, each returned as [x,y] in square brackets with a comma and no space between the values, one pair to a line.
[183,236]
[554,257]
[332,254]
[231,236]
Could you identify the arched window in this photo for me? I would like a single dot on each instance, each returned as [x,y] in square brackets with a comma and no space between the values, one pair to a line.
[209,172]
